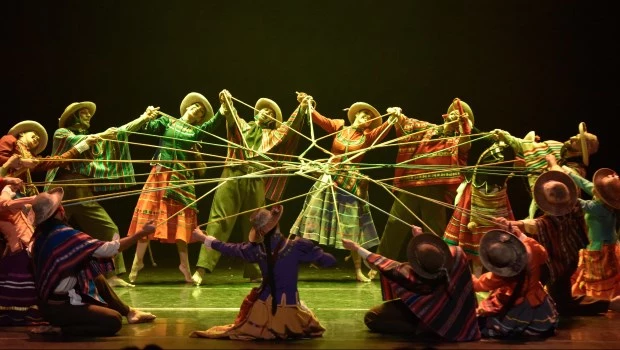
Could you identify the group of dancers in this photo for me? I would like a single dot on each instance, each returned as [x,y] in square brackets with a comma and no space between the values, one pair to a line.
[454,262]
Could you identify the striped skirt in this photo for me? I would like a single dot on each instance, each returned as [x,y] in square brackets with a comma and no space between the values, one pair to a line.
[522,319]
[18,297]
[327,223]
[597,273]
[152,205]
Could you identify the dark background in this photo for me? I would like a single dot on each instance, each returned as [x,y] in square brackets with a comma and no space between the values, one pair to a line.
[521,65]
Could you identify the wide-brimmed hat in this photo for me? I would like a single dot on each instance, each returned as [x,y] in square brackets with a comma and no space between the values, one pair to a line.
[263,221]
[31,125]
[45,204]
[457,104]
[503,253]
[608,187]
[358,106]
[429,255]
[74,107]
[194,97]
[530,136]
[555,193]
[268,103]
[589,143]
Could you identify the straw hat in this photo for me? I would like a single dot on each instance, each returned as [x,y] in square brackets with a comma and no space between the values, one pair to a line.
[45,204]
[194,97]
[268,103]
[74,107]
[456,103]
[555,193]
[607,184]
[31,125]
[358,106]
[263,221]
[589,143]
[503,253]
[429,255]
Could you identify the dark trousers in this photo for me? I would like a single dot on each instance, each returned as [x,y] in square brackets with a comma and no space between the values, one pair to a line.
[87,320]
[392,316]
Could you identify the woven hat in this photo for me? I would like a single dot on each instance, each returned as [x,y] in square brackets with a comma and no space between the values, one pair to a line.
[555,193]
[31,125]
[263,221]
[45,204]
[589,143]
[74,107]
[268,103]
[503,253]
[607,184]
[458,105]
[429,255]
[358,106]
[194,97]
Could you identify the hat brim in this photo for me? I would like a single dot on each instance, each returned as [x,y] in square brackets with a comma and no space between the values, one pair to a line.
[358,106]
[553,208]
[37,128]
[273,221]
[497,236]
[268,103]
[432,239]
[609,198]
[56,194]
[92,108]
[194,97]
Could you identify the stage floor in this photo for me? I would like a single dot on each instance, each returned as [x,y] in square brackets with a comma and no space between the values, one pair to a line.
[336,298]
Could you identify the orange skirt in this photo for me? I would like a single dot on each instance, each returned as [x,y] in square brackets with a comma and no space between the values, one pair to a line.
[597,273]
[153,206]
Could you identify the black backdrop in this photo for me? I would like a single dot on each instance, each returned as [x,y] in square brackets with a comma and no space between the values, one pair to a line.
[521,65]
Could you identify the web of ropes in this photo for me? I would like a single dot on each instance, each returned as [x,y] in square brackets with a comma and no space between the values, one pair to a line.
[296,166]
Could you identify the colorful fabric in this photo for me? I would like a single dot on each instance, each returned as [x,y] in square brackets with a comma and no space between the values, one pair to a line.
[534,153]
[60,250]
[597,273]
[18,297]
[99,161]
[153,205]
[477,202]
[448,311]
[523,319]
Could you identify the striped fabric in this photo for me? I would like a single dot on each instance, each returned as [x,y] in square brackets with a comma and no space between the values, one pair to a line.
[534,154]
[481,205]
[96,163]
[451,312]
[597,273]
[156,204]
[60,250]
[563,237]
[18,297]
[322,221]
[522,319]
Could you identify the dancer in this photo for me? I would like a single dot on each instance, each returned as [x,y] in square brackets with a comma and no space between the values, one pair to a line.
[518,304]
[431,295]
[74,296]
[273,310]
[337,205]
[243,189]
[76,178]
[169,197]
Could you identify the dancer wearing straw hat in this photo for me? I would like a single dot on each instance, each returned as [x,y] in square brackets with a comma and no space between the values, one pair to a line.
[74,297]
[169,196]
[518,304]
[107,163]
[26,140]
[429,295]
[574,152]
[246,181]
[337,205]
[273,310]
[426,154]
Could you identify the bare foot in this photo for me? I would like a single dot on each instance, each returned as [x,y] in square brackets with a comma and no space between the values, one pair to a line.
[186,273]
[137,316]
[46,329]
[116,281]
[359,276]
[135,268]
[198,276]
[372,274]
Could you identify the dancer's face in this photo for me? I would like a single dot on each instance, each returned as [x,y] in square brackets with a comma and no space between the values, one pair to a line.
[30,139]
[265,116]
[84,117]
[362,119]
[194,113]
